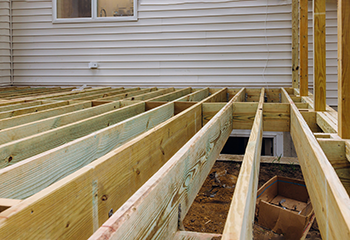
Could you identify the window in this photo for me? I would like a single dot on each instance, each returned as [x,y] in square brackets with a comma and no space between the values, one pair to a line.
[94,10]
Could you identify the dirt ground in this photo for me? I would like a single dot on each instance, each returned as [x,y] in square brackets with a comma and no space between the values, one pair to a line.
[209,210]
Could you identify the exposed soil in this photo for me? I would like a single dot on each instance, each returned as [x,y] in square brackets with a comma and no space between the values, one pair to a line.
[209,210]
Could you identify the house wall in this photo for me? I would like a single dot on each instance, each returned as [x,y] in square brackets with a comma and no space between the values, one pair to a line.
[174,43]
[4,42]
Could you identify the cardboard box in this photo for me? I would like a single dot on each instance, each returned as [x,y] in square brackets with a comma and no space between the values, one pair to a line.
[283,206]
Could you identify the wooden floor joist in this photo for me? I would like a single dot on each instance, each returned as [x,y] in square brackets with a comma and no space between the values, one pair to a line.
[105,163]
[240,219]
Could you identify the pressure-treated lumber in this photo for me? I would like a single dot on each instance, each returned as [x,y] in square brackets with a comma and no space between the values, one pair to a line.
[344,69]
[263,159]
[30,117]
[87,94]
[336,154]
[105,94]
[153,94]
[76,92]
[240,218]
[34,93]
[6,203]
[196,96]
[26,92]
[153,211]
[64,160]
[111,180]
[32,128]
[327,120]
[186,235]
[113,177]
[19,105]
[303,52]
[23,148]
[37,108]
[295,43]
[173,95]
[275,116]
[125,95]
[329,198]
[319,44]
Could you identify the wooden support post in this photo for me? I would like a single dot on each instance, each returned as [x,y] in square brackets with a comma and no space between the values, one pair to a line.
[344,69]
[303,57]
[295,44]
[240,219]
[319,29]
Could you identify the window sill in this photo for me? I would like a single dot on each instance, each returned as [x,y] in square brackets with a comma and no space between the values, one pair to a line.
[95,20]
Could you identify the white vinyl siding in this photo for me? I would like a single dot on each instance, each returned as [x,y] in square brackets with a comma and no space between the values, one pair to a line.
[4,42]
[217,43]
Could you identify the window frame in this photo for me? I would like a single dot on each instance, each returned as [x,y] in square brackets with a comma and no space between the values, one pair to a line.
[93,17]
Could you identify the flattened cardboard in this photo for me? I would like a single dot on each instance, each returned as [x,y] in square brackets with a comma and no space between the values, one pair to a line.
[293,216]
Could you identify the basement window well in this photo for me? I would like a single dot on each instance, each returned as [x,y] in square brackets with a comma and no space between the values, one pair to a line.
[66,11]
[236,144]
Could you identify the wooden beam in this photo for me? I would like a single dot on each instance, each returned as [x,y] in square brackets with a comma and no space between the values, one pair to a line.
[186,235]
[153,94]
[275,116]
[196,96]
[73,92]
[35,93]
[36,127]
[105,94]
[109,181]
[128,94]
[31,109]
[6,203]
[295,44]
[319,44]
[304,49]
[172,95]
[329,198]
[336,154]
[38,173]
[172,189]
[21,149]
[344,69]
[210,110]
[30,117]
[263,159]
[240,218]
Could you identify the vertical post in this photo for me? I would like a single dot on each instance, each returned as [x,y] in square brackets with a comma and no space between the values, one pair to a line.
[295,44]
[344,69]
[319,27]
[304,49]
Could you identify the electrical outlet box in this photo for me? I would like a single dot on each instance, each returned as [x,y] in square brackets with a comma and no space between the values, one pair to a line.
[93,65]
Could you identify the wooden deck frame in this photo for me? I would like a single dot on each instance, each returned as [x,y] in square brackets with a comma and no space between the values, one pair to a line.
[55,172]
[168,148]
[150,176]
